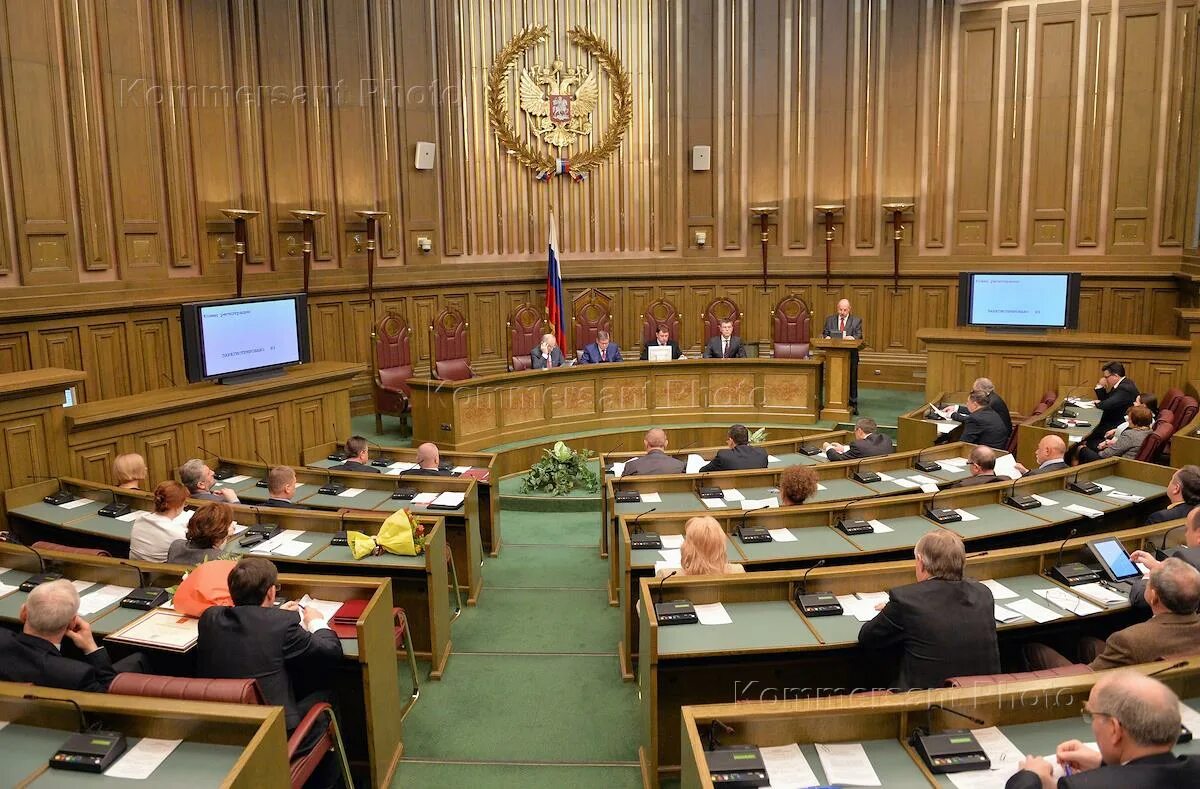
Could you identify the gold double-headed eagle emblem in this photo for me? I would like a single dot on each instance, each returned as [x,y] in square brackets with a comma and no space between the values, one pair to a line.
[558,102]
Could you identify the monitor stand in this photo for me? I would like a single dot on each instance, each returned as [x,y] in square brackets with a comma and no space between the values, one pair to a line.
[245,378]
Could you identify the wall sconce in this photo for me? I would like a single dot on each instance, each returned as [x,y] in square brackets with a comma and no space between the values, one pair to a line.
[372,218]
[239,217]
[308,218]
[830,210]
[897,208]
[764,212]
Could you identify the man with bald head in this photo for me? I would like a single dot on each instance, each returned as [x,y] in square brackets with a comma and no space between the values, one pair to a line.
[1135,722]
[656,460]
[843,325]
[1049,455]
[981,464]
[429,462]
[546,354]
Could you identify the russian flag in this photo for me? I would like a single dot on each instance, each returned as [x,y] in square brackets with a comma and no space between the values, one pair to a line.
[554,291]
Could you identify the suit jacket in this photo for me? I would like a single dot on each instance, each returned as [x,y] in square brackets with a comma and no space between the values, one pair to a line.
[996,403]
[430,472]
[592,355]
[1149,772]
[1137,592]
[1114,404]
[736,349]
[947,629]
[743,456]
[204,495]
[538,360]
[654,462]
[1126,445]
[249,641]
[872,445]
[1163,635]
[1056,466]
[354,465]
[26,658]
[854,326]
[985,427]
[1179,510]
[979,479]
[674,346]
[282,503]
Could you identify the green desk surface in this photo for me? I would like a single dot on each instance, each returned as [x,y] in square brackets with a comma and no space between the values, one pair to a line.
[53,514]
[350,647]
[995,519]
[906,530]
[1087,414]
[671,502]
[772,625]
[250,493]
[945,473]
[645,559]
[794,459]
[241,486]
[839,490]
[367,500]
[1063,498]
[1126,485]
[811,541]
[893,765]
[835,629]
[1024,585]
[340,554]
[192,764]
[26,749]
[324,463]
[318,541]
[104,527]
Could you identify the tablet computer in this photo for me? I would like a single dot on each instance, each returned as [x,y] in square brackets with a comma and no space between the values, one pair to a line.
[1114,559]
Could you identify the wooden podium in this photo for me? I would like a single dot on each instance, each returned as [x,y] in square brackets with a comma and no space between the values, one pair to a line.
[838,369]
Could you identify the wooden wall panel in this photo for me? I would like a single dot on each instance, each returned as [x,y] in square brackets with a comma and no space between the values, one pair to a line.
[979,49]
[1012,130]
[1053,139]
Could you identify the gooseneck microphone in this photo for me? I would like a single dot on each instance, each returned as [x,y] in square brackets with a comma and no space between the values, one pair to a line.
[140,573]
[640,539]
[1073,573]
[634,527]
[1063,544]
[942,515]
[752,534]
[804,578]
[661,581]
[83,721]
[1087,488]
[676,612]
[145,597]
[867,477]
[926,465]
[1020,502]
[962,715]
[42,575]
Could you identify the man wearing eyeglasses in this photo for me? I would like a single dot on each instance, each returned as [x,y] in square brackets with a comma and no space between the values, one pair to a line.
[1135,720]
[1114,395]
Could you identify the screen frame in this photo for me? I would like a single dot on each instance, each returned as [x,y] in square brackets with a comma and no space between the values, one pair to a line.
[195,364]
[966,295]
[1094,546]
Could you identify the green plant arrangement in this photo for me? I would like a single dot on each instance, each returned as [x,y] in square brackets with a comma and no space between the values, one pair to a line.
[561,471]
[758,436]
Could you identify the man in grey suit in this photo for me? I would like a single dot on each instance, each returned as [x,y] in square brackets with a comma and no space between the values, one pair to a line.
[725,345]
[656,460]
[846,326]
[546,354]
[198,478]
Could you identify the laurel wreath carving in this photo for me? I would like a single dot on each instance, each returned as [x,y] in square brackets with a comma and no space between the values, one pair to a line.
[498,100]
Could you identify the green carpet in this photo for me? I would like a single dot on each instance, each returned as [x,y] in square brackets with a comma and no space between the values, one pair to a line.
[555,566]
[495,776]
[554,621]
[566,528]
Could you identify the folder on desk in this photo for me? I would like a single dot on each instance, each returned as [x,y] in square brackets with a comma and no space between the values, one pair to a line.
[160,629]
[449,500]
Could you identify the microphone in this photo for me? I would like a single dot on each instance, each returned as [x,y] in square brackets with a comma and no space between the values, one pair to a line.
[62,497]
[1020,502]
[711,741]
[676,612]
[926,465]
[83,722]
[145,596]
[340,537]
[1085,487]
[262,483]
[42,575]
[114,509]
[804,578]
[852,525]
[223,471]
[608,467]
[1074,573]
[867,477]
[89,750]
[1164,669]
[751,534]
[817,603]
[940,516]
[962,715]
[663,580]
[331,488]
[260,529]
[1063,544]
[1160,554]
[644,540]
[140,573]
[635,528]
[378,462]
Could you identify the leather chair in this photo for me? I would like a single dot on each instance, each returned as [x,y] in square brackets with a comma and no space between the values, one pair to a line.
[1038,410]
[525,329]
[717,311]
[245,691]
[978,680]
[1186,411]
[392,368]
[449,346]
[43,545]
[592,311]
[1154,443]
[1049,398]
[791,323]
[1171,398]
[661,313]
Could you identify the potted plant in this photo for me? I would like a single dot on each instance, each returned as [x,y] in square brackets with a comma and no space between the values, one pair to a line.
[561,471]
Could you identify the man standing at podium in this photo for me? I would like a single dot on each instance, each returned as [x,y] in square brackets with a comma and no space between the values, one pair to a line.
[846,326]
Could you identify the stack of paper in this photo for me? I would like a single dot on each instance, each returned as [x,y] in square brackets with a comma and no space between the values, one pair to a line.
[399,467]
[350,493]
[70,505]
[617,469]
[652,497]
[787,768]
[694,463]
[283,544]
[999,590]
[880,527]
[1037,613]
[672,541]
[671,557]
[733,494]
[756,504]
[461,469]
[1130,497]
[847,763]
[1045,501]
[1004,756]
[1086,512]
[966,516]
[327,607]
[141,760]
[5,589]
[1004,615]
[712,614]
[102,598]
[782,535]
[906,483]
[450,499]
[714,504]
[424,499]
[946,427]
[1100,593]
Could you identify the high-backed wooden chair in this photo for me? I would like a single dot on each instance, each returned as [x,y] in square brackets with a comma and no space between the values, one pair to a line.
[791,324]
[660,313]
[392,367]
[525,329]
[592,312]
[720,310]
[449,346]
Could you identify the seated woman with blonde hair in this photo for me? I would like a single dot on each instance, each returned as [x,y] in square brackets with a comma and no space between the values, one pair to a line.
[129,471]
[704,548]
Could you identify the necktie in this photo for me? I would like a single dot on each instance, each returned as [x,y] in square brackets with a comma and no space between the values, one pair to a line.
[841,325]
[724,347]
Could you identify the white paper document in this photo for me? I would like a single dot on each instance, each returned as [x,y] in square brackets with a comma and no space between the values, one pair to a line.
[733,494]
[781,535]
[422,499]
[292,548]
[929,487]
[271,545]
[694,464]
[449,498]
[1004,756]
[921,479]
[966,516]
[70,505]
[1130,497]
[130,517]
[235,479]
[327,607]
[1100,593]
[772,459]
[1037,613]
[142,759]
[847,763]
[399,467]
[945,427]
[459,469]
[712,614]
[617,470]
[672,542]
[1105,488]
[885,477]
[1045,502]
[82,586]
[102,598]
[1189,717]
[787,768]
[350,493]
[904,482]
[1004,615]
[999,590]
[1068,602]
[1086,512]
[880,527]
[651,498]
[7,589]
[1006,466]
[714,504]
[670,556]
[758,504]
[821,487]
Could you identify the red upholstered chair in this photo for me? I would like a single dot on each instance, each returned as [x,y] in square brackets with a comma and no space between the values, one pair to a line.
[661,313]
[449,346]
[719,310]
[1171,398]
[1073,670]
[1186,411]
[43,545]
[791,326]
[592,311]
[1038,410]
[245,691]
[1154,444]
[392,368]
[525,330]
[1049,398]
[1168,416]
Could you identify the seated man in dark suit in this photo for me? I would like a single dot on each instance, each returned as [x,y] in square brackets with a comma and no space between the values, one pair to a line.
[358,456]
[1189,552]
[994,402]
[281,488]
[656,460]
[602,350]
[1114,395]
[1183,494]
[429,462]
[546,354]
[739,455]
[944,622]
[868,442]
[981,464]
[1049,453]
[983,426]
[48,615]
[1135,721]
[198,478]
[725,345]
[662,337]
[253,639]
